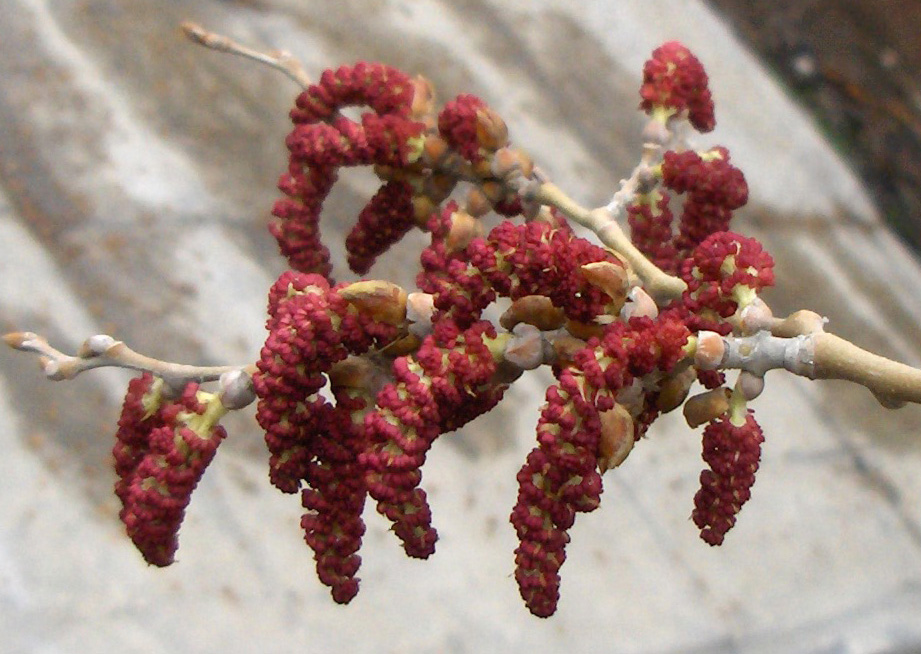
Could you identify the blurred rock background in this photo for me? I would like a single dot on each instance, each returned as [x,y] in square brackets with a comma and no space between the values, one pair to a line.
[136,176]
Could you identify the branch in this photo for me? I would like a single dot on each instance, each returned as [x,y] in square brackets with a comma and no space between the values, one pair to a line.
[279,59]
[814,355]
[102,351]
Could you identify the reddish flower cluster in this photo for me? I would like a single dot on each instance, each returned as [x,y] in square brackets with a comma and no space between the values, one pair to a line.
[560,477]
[675,79]
[712,188]
[398,380]
[471,128]
[162,448]
[323,141]
[386,218]
[443,385]
[650,219]
[460,291]
[513,261]
[334,497]
[311,328]
[719,268]
[733,454]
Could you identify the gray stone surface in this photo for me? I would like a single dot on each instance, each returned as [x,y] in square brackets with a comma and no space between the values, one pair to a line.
[136,176]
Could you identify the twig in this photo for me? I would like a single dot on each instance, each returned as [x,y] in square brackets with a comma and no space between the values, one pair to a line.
[820,355]
[279,59]
[104,351]
[640,178]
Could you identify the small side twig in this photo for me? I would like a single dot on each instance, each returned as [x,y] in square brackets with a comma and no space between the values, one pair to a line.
[104,351]
[280,60]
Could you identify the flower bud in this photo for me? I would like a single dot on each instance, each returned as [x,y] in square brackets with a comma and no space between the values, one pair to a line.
[353,372]
[755,317]
[464,228]
[525,349]
[584,330]
[419,310]
[565,348]
[95,346]
[423,98]
[710,350]
[439,186]
[656,132]
[236,389]
[50,367]
[20,340]
[537,310]
[383,301]
[477,205]
[491,130]
[610,278]
[617,437]
[674,389]
[706,406]
[493,191]
[749,385]
[639,305]
[423,208]
[434,149]
[507,161]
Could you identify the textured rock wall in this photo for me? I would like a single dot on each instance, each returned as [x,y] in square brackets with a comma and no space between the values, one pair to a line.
[136,175]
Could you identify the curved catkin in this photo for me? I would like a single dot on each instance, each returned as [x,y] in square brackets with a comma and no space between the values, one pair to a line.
[356,381]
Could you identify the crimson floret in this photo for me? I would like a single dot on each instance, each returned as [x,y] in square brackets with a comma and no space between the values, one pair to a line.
[675,79]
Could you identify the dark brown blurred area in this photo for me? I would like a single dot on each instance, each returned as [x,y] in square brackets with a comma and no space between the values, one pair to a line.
[856,64]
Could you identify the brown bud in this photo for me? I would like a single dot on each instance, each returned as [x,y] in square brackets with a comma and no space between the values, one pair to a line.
[565,347]
[584,330]
[888,401]
[434,149]
[405,345]
[423,97]
[674,389]
[419,310]
[464,228]
[383,301]
[353,372]
[535,310]
[482,168]
[507,160]
[749,385]
[491,130]
[493,191]
[710,350]
[610,278]
[706,406]
[617,437]
[477,205]
[640,305]
[423,208]
[439,186]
